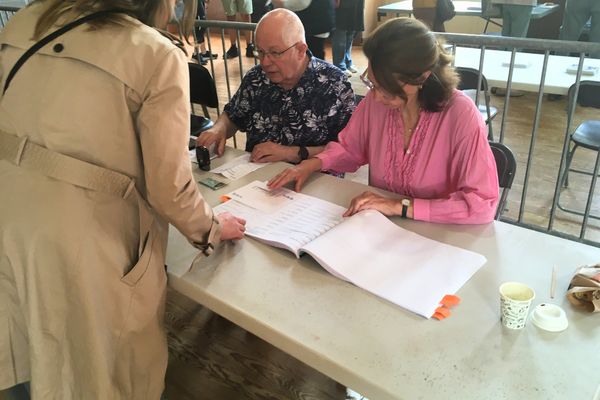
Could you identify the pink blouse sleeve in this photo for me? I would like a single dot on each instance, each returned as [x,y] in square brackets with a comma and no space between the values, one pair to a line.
[350,151]
[473,175]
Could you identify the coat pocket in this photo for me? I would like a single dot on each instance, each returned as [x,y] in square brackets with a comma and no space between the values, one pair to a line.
[138,270]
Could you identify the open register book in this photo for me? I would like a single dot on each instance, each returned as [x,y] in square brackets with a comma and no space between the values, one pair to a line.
[366,249]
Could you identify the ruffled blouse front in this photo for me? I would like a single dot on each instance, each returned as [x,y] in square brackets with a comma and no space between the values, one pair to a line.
[448,167]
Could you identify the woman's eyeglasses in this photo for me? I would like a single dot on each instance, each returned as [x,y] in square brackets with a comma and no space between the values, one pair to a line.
[273,55]
[365,79]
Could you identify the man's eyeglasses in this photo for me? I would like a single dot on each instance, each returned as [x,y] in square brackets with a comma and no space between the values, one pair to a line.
[273,55]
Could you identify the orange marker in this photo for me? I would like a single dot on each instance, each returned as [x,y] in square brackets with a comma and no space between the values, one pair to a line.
[450,300]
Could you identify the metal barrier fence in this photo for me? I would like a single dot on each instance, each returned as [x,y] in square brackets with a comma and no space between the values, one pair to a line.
[518,46]
[5,13]
[541,159]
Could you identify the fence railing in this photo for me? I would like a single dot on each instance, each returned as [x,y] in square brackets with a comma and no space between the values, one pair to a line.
[5,13]
[537,154]
[541,148]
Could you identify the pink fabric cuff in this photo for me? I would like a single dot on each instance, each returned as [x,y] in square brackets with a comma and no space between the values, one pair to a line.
[325,164]
[421,210]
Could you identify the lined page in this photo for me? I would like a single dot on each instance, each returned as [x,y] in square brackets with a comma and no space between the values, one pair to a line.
[282,216]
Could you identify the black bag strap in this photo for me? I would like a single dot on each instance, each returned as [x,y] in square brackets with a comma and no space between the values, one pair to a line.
[50,37]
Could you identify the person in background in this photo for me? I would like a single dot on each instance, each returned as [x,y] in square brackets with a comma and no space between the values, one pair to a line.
[244,9]
[260,8]
[291,104]
[93,168]
[318,18]
[577,14]
[426,11]
[516,15]
[421,137]
[349,20]
[200,51]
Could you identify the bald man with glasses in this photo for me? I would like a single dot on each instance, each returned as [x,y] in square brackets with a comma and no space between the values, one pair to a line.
[291,104]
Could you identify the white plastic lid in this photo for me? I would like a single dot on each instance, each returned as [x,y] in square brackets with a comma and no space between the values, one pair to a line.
[549,317]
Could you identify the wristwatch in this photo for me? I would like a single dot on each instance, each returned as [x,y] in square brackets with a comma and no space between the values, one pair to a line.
[303,153]
[405,205]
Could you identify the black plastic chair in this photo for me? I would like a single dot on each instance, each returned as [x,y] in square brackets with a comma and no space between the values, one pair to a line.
[506,165]
[203,91]
[586,135]
[468,84]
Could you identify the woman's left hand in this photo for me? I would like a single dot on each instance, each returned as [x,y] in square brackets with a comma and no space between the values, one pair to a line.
[372,201]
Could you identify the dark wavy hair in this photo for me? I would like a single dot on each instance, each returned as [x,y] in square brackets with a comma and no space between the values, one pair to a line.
[400,51]
[60,12]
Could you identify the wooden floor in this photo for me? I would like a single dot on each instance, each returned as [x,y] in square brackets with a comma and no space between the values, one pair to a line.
[211,358]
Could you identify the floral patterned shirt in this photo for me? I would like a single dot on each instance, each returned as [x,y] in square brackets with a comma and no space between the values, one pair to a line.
[310,114]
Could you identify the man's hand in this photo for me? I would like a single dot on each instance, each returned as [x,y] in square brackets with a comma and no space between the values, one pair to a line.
[212,136]
[372,201]
[233,228]
[298,174]
[271,152]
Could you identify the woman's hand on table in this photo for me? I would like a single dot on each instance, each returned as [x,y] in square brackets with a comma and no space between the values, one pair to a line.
[371,201]
[232,227]
[298,174]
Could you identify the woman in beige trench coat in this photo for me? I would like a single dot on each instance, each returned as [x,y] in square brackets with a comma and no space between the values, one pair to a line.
[93,164]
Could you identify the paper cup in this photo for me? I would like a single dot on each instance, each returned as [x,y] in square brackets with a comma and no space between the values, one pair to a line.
[515,300]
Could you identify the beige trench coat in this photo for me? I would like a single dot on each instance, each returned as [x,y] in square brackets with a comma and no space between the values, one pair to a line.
[82,290]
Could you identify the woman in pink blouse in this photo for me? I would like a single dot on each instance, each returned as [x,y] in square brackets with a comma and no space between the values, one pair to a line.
[422,138]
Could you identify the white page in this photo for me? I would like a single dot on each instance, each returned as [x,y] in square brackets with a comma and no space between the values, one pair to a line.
[257,195]
[288,219]
[407,269]
[366,249]
[238,167]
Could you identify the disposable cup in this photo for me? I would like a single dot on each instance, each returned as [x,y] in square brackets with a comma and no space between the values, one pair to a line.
[515,300]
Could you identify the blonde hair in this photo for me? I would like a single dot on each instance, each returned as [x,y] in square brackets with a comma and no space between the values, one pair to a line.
[149,12]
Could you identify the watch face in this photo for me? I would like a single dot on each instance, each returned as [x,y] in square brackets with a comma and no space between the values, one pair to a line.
[405,202]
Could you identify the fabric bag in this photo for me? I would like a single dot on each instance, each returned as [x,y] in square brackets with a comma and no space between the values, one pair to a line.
[445,10]
[584,289]
[490,10]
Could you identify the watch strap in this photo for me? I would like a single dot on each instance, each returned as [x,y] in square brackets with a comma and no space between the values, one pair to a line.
[302,153]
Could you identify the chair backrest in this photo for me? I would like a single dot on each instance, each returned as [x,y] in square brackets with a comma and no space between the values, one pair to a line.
[469,78]
[468,83]
[506,165]
[202,86]
[589,94]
